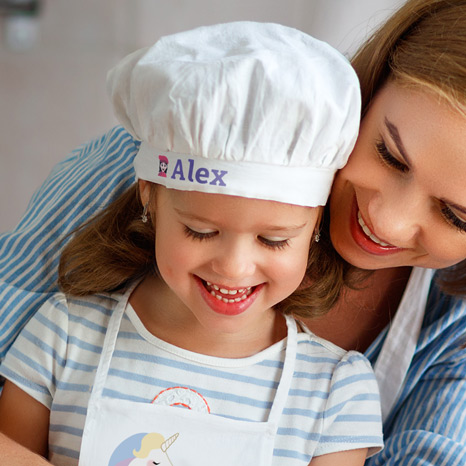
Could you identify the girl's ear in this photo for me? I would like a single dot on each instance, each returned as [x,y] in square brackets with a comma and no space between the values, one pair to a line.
[319,218]
[144,191]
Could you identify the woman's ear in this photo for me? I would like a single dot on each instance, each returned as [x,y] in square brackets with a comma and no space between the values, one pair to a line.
[144,191]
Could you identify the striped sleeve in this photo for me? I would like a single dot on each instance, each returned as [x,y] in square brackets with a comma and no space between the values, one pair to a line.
[86,181]
[36,359]
[428,426]
[352,415]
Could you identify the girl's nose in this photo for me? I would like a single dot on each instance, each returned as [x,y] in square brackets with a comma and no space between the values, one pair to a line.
[234,260]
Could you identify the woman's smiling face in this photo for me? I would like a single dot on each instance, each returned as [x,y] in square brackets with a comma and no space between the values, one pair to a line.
[401,199]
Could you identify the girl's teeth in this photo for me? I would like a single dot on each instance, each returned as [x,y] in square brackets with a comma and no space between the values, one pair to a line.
[368,232]
[244,292]
[225,300]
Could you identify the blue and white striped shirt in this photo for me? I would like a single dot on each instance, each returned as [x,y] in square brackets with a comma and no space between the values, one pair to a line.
[427,426]
[332,405]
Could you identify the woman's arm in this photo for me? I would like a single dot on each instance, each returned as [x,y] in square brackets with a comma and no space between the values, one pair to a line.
[23,420]
[428,424]
[430,427]
[86,181]
[346,458]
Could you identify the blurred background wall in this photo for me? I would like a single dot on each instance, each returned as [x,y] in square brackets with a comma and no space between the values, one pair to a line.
[54,56]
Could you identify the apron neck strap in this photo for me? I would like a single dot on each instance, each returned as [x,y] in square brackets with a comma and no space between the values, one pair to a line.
[110,341]
[286,377]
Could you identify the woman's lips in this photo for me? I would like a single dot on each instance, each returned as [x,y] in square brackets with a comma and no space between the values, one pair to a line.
[228,301]
[365,238]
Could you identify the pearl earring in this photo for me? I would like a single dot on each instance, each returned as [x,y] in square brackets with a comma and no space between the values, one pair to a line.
[144,216]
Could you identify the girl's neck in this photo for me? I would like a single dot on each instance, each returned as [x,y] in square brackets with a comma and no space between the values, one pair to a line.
[168,319]
[360,315]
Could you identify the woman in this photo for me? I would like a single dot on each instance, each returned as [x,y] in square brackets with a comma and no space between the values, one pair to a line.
[400,203]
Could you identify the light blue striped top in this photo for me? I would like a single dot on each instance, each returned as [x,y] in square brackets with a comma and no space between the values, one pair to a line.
[333,403]
[427,425]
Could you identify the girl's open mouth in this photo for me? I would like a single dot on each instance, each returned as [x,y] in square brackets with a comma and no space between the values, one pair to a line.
[228,301]
[228,295]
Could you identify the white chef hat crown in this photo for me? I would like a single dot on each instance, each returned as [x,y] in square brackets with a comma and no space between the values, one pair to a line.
[249,109]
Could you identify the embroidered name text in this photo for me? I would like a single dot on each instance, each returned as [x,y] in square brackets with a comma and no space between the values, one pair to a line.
[202,175]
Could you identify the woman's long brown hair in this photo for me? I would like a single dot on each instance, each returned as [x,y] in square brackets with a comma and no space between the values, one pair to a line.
[423,45]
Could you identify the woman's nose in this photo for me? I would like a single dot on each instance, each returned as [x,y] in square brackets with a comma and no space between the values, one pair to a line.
[397,218]
[234,260]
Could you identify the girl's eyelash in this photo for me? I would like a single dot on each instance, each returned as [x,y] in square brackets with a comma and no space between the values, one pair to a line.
[197,235]
[388,158]
[452,219]
[266,242]
[282,244]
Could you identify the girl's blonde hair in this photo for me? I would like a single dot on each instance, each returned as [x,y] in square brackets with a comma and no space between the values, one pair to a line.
[423,45]
[116,247]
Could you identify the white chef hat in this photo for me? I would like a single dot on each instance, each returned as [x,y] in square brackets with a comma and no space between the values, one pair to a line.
[248,109]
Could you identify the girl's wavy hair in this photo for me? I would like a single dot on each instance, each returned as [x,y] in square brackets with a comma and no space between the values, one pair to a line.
[423,46]
[115,248]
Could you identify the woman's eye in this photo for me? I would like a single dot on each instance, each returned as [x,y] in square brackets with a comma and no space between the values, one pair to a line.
[452,219]
[200,235]
[388,158]
[274,243]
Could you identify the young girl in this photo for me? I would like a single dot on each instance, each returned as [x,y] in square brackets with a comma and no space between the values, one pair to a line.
[173,342]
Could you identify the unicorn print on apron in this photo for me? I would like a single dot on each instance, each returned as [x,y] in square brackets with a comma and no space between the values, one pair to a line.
[123,433]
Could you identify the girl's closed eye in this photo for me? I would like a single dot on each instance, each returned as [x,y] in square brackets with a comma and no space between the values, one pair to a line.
[273,242]
[388,159]
[198,233]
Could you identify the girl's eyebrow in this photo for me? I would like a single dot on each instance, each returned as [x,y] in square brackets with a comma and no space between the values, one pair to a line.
[292,227]
[395,134]
[284,228]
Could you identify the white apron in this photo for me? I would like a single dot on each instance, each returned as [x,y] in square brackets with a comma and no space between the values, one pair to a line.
[399,347]
[115,429]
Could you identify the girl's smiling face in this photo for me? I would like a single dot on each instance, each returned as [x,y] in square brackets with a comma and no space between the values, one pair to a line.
[228,260]
[401,199]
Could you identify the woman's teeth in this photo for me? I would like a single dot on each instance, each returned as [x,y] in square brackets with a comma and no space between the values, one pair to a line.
[368,232]
[227,295]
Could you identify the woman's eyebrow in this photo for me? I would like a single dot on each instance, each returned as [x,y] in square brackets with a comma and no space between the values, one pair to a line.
[395,134]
